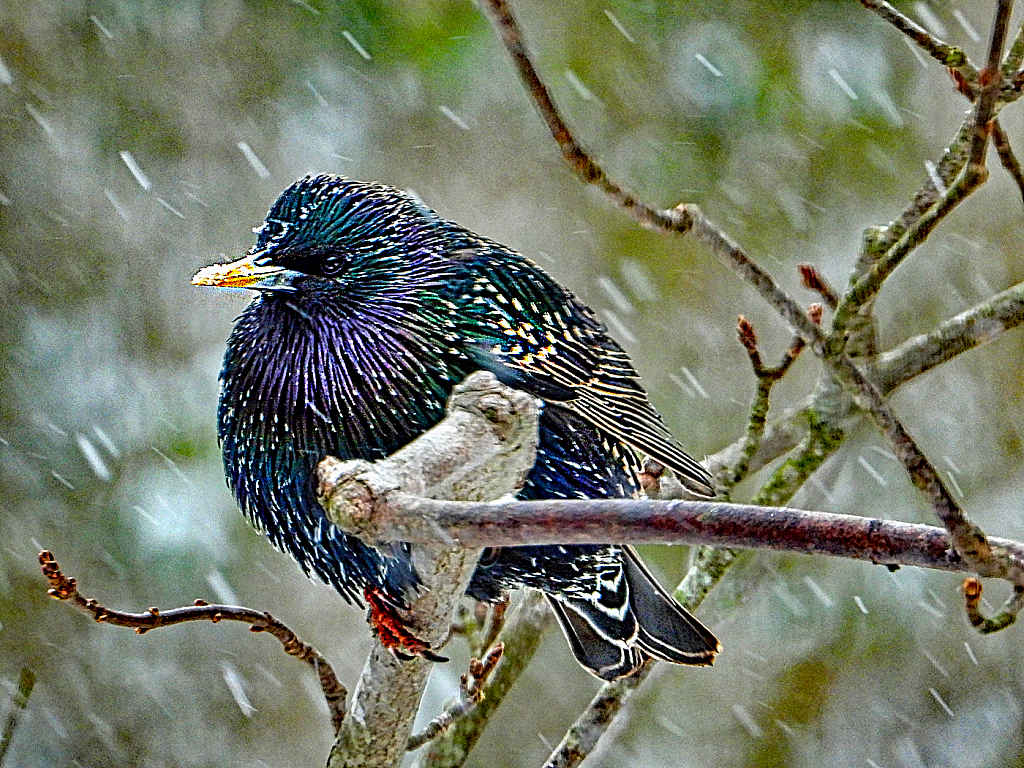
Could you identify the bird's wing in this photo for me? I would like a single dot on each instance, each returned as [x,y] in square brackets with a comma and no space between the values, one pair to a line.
[534,335]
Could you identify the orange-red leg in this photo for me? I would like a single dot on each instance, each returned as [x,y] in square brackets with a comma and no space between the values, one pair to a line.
[391,632]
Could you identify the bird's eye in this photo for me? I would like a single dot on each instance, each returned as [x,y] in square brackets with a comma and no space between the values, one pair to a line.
[332,264]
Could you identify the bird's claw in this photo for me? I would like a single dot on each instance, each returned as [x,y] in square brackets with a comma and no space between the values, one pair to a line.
[392,633]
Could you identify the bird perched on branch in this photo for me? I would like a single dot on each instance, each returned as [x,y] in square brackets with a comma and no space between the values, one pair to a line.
[370,308]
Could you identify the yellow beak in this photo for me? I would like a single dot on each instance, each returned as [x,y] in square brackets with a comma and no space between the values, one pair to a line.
[243,273]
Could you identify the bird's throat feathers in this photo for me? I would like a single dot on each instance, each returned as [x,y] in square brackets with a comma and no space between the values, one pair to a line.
[322,381]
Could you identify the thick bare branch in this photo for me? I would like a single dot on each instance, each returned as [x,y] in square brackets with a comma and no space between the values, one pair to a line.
[647,521]
[481,451]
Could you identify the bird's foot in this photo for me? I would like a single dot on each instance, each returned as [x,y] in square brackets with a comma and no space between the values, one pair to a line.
[391,631]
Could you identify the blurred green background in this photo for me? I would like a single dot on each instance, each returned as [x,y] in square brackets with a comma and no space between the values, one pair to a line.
[140,141]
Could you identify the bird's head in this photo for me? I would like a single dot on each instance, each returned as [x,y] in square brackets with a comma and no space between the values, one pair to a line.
[330,230]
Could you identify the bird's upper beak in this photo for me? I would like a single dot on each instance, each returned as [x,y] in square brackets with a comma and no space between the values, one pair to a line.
[244,273]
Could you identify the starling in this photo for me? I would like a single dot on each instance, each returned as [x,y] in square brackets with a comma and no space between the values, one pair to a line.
[370,307]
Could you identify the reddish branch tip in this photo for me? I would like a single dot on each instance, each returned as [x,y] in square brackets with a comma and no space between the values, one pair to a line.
[490,661]
[813,280]
[972,588]
[962,84]
[745,331]
[972,603]
[388,626]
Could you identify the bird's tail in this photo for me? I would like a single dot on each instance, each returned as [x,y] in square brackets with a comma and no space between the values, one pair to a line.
[613,636]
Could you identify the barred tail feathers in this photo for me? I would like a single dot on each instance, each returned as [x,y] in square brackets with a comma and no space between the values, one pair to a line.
[667,631]
[614,641]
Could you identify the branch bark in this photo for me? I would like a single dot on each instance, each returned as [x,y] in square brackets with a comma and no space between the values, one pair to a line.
[400,516]
[481,451]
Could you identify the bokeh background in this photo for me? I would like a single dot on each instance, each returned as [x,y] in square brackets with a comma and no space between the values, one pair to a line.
[140,141]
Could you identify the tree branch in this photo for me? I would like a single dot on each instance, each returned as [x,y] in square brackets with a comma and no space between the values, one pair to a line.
[767,378]
[968,539]
[471,693]
[645,521]
[521,636]
[65,588]
[946,54]
[481,451]
[976,326]
[19,701]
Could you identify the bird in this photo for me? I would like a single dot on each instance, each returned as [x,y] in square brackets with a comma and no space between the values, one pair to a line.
[369,308]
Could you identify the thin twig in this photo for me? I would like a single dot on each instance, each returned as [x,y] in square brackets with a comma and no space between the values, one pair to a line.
[1015,55]
[813,280]
[871,283]
[480,625]
[65,588]
[956,155]
[678,220]
[521,636]
[973,175]
[19,701]
[946,172]
[766,378]
[471,693]
[972,602]
[575,155]
[946,54]
[495,622]
[991,80]
[747,337]
[1006,155]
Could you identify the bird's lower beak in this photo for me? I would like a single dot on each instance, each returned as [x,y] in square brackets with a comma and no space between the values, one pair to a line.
[243,273]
